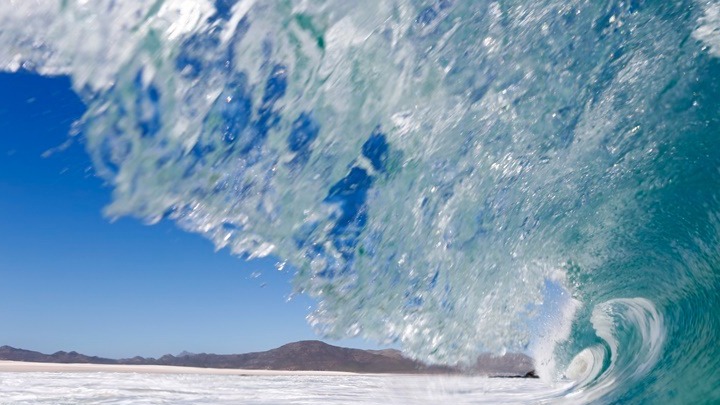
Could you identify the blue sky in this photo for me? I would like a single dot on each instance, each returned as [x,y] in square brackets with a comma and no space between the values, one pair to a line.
[72,280]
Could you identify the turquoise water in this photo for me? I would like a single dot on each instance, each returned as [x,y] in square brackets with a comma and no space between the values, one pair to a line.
[452,176]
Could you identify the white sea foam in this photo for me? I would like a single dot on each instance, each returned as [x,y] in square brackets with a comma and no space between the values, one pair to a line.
[633,332]
[708,30]
[139,388]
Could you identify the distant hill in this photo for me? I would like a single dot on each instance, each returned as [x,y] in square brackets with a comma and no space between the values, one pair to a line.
[305,355]
[11,353]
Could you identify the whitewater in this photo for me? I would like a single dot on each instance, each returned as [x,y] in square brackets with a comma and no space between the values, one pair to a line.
[453,177]
[124,388]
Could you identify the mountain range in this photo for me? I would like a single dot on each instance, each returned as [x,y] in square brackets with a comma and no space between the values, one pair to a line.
[310,355]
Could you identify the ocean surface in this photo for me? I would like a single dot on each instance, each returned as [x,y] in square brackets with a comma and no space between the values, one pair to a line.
[129,388]
[451,176]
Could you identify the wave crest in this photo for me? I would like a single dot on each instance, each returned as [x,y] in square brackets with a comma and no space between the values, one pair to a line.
[426,166]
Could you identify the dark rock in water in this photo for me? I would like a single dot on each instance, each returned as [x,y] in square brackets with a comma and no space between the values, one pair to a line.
[507,365]
[531,374]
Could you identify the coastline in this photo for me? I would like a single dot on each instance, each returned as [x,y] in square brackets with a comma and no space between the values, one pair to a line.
[7,366]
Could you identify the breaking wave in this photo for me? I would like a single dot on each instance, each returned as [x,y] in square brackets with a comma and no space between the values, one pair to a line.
[437,172]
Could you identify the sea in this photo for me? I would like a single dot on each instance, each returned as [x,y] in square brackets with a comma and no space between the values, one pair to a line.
[139,388]
[453,177]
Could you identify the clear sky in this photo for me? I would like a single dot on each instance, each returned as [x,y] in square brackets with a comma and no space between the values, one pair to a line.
[72,280]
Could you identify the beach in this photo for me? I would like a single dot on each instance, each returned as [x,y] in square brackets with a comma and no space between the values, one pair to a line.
[31,367]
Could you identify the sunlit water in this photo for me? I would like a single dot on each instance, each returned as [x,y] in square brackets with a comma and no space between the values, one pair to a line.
[431,170]
[129,388]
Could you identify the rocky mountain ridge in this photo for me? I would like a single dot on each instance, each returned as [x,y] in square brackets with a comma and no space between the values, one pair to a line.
[310,355]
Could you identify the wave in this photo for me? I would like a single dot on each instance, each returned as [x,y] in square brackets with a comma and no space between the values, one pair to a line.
[453,176]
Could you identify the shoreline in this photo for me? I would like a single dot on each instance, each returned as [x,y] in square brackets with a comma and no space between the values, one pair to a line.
[7,366]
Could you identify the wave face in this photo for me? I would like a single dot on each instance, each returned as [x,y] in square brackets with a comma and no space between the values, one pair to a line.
[436,171]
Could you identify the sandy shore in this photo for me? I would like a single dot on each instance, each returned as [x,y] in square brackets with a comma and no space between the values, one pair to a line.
[29,367]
